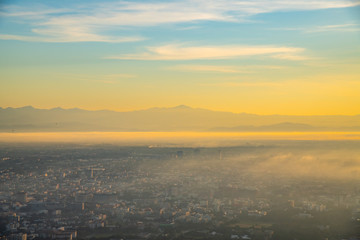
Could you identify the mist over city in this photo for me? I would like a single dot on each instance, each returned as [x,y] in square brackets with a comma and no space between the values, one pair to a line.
[272,189]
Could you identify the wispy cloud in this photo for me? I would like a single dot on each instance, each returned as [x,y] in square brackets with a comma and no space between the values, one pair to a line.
[243,84]
[291,57]
[349,27]
[188,28]
[85,22]
[346,27]
[179,52]
[222,69]
[207,68]
[70,37]
[30,13]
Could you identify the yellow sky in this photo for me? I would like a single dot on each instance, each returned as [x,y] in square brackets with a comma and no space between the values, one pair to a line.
[261,59]
[319,94]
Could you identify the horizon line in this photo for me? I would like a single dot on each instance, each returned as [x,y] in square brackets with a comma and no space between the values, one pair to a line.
[180,106]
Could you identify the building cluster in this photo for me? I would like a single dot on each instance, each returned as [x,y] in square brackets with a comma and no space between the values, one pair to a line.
[169,193]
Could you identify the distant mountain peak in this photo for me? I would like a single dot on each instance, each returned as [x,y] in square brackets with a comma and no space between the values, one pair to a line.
[57,108]
[176,118]
[27,107]
[182,106]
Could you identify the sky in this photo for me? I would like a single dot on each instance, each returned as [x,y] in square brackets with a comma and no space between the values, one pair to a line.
[295,57]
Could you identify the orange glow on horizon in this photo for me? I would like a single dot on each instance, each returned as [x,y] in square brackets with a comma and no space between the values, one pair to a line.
[171,137]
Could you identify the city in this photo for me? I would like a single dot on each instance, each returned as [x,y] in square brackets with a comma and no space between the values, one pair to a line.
[104,191]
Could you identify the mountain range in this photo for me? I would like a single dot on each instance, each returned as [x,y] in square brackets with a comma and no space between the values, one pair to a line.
[179,118]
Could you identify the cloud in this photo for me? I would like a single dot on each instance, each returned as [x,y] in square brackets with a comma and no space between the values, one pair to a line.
[222,69]
[349,27]
[188,28]
[291,57]
[69,37]
[243,84]
[346,27]
[50,24]
[178,52]
[208,68]
[30,13]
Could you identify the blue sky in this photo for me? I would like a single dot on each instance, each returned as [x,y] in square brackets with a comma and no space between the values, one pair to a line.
[211,54]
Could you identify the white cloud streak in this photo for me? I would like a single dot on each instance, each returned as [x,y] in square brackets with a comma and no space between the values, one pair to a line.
[349,27]
[177,52]
[346,27]
[223,69]
[208,68]
[83,23]
[243,84]
[291,57]
[67,37]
